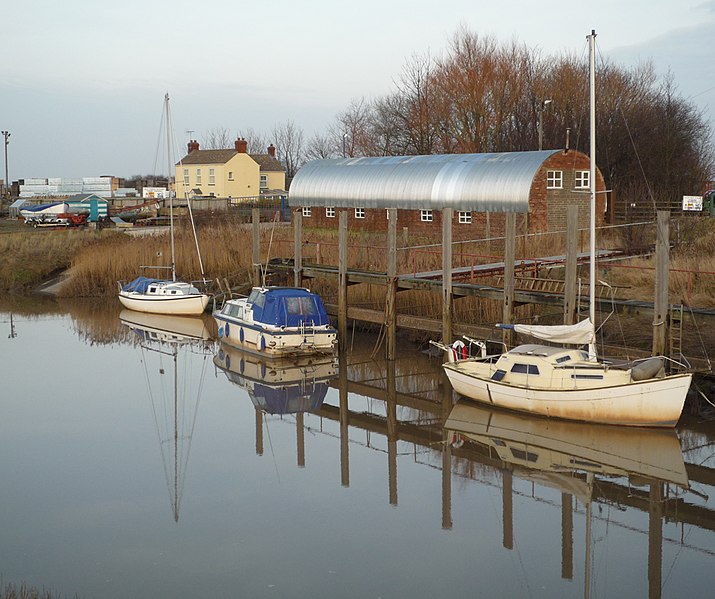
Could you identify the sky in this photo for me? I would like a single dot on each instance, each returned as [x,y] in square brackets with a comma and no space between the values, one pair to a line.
[82,81]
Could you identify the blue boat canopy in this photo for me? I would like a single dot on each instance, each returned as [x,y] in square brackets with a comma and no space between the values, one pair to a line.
[291,399]
[287,306]
[141,284]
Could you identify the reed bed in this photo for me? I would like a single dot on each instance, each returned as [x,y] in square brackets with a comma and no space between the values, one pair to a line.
[13,591]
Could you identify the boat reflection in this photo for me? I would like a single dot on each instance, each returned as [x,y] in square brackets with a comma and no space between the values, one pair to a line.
[279,385]
[553,451]
[174,391]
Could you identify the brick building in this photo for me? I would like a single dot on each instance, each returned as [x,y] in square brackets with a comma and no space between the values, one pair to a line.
[479,188]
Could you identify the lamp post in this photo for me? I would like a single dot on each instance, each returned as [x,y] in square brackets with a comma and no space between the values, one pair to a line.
[345,137]
[543,105]
[6,135]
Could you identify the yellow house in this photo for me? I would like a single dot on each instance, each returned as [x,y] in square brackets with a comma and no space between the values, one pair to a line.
[231,173]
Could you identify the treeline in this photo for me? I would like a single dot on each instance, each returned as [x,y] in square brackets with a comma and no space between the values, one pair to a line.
[485,96]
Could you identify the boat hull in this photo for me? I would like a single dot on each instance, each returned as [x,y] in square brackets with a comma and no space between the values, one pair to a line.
[177,305]
[654,402]
[287,341]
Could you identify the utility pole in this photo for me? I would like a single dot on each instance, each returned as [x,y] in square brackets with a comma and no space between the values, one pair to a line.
[6,135]
[542,106]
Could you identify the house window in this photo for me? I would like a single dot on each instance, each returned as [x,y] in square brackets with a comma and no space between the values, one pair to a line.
[212,176]
[554,180]
[198,176]
[359,212]
[426,216]
[330,212]
[583,180]
[264,182]
[465,218]
[230,175]
[186,176]
[306,210]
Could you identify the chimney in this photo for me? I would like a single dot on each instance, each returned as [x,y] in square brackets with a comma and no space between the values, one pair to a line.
[272,151]
[193,145]
[241,145]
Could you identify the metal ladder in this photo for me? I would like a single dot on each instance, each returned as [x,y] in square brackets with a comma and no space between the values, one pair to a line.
[675,322]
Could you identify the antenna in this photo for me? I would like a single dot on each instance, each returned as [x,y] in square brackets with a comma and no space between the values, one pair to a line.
[191,133]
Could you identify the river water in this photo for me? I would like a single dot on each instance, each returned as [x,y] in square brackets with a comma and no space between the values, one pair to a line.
[143,459]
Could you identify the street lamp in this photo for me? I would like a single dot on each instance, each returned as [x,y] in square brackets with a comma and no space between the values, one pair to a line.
[6,135]
[543,105]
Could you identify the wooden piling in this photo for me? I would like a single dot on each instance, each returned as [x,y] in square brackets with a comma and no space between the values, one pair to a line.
[660,303]
[391,288]
[571,264]
[509,259]
[256,259]
[447,276]
[343,280]
[298,248]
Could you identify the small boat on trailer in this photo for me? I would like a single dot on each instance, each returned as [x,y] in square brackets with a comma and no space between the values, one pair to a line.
[277,321]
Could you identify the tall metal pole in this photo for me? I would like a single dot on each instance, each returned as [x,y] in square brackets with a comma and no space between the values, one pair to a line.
[6,135]
[592,150]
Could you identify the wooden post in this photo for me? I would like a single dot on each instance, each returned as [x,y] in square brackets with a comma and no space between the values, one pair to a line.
[509,258]
[298,247]
[256,217]
[566,536]
[655,538]
[300,438]
[259,432]
[660,306]
[391,287]
[392,431]
[447,276]
[571,264]
[507,499]
[447,404]
[344,419]
[343,281]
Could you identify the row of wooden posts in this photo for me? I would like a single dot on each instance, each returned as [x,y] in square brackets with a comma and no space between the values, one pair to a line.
[661,305]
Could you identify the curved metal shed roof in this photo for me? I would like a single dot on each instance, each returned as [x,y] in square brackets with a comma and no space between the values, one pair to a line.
[498,182]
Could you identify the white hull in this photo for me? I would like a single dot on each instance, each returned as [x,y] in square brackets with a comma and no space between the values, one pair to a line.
[176,305]
[654,402]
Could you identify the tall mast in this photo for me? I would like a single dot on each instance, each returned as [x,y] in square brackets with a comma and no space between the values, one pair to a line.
[171,199]
[592,179]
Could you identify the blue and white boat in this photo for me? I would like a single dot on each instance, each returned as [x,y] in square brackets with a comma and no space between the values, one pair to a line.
[277,321]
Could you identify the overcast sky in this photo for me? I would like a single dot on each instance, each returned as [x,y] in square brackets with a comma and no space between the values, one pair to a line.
[82,82]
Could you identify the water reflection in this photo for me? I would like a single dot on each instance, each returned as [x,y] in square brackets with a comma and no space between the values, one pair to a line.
[279,385]
[174,387]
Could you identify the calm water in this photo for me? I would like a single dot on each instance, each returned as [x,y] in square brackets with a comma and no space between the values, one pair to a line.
[136,464]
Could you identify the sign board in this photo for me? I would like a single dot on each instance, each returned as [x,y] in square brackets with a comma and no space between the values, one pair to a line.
[693,203]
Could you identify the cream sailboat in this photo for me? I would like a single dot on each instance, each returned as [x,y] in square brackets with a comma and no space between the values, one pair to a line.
[571,383]
[166,296]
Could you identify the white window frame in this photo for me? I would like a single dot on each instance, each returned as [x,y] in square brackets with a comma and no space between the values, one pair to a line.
[212,176]
[263,184]
[330,212]
[426,216]
[198,176]
[186,176]
[359,212]
[306,211]
[230,175]
[465,218]
[554,179]
[583,179]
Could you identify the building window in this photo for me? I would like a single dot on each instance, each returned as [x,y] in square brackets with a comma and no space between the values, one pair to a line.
[330,212]
[426,216]
[230,175]
[554,180]
[465,218]
[583,179]
[212,176]
[186,176]
[264,182]
[198,176]
[359,212]
[306,210]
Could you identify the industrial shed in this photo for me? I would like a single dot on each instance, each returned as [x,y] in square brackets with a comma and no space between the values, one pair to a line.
[539,185]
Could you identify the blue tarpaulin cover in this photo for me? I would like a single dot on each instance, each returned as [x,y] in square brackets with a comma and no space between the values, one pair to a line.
[288,306]
[140,284]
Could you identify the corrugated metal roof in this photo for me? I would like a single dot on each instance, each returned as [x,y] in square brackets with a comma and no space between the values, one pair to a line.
[498,182]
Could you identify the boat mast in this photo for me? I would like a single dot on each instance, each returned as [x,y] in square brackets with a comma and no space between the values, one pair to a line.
[171,198]
[592,178]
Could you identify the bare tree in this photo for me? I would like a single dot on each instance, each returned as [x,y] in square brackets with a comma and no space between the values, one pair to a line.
[288,140]
[257,142]
[321,146]
[218,138]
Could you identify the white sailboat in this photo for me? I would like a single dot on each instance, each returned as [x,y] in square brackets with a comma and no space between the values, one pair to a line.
[162,296]
[569,383]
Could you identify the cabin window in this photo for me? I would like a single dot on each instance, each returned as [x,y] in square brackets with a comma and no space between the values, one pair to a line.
[498,375]
[499,442]
[253,296]
[306,210]
[583,179]
[526,456]
[330,212]
[359,212]
[554,179]
[303,306]
[525,369]
[465,218]
[426,216]
[591,377]
[563,359]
